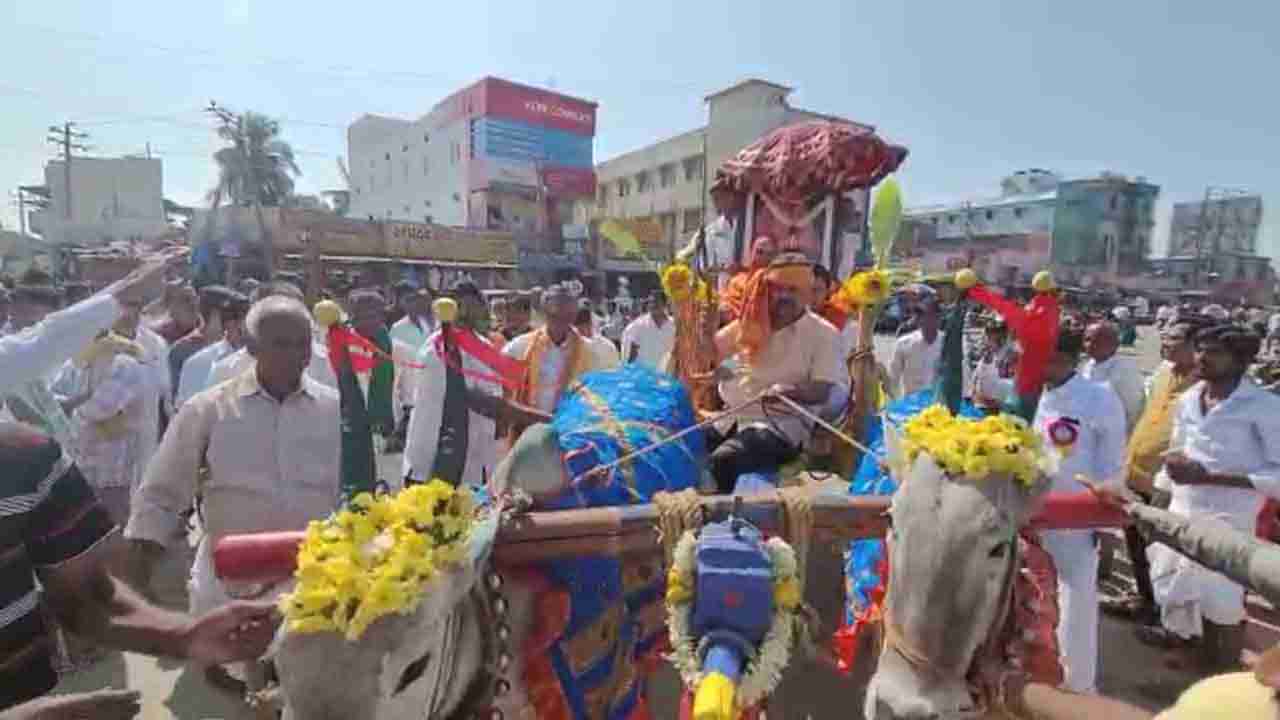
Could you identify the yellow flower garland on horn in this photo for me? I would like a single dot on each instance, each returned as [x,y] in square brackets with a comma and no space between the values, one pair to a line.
[863,290]
[376,557]
[976,449]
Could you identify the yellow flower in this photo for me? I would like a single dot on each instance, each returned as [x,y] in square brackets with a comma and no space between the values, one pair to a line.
[865,289]
[677,282]
[786,593]
[375,558]
[977,449]
[679,587]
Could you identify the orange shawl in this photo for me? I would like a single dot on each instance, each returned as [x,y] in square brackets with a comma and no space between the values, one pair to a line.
[578,362]
[754,325]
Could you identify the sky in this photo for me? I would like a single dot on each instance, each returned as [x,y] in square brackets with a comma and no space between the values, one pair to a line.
[1181,93]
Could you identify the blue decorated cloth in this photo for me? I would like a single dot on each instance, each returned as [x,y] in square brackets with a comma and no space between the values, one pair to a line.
[616,621]
[863,559]
[611,413]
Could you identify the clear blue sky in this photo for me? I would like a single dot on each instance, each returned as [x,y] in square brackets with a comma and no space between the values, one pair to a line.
[1181,92]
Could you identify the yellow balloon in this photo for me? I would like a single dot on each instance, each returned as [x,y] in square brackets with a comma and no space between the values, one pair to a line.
[327,313]
[445,309]
[966,279]
[1043,282]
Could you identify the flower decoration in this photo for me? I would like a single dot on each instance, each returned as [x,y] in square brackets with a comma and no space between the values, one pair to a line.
[678,282]
[375,558]
[763,672]
[863,290]
[1063,433]
[1001,445]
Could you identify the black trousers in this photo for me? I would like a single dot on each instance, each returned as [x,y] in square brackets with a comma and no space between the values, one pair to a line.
[754,448]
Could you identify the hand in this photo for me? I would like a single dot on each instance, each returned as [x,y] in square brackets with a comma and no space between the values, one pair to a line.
[1185,471]
[234,632]
[1113,494]
[140,560]
[147,280]
[99,705]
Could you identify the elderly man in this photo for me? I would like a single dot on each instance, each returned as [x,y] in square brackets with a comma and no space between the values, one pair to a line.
[914,363]
[554,355]
[270,440]
[62,538]
[240,361]
[776,349]
[451,433]
[649,338]
[1225,462]
[1084,422]
[1105,365]
[1145,454]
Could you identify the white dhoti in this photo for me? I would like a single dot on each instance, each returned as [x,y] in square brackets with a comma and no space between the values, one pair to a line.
[1076,557]
[1187,592]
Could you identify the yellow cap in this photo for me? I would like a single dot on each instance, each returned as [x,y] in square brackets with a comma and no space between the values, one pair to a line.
[966,279]
[1234,696]
[714,698]
[327,313]
[445,309]
[1043,282]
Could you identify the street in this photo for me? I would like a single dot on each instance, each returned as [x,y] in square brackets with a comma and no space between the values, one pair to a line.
[1128,670]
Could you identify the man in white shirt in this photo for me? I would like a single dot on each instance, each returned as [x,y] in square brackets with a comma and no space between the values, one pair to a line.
[1105,365]
[450,436]
[1224,461]
[240,361]
[650,337]
[417,324]
[227,321]
[1084,422]
[914,363]
[555,354]
[270,439]
[605,351]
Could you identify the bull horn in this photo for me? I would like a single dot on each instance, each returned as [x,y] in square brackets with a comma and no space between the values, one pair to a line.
[1215,545]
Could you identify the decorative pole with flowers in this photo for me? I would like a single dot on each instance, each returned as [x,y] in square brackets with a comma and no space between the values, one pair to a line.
[863,295]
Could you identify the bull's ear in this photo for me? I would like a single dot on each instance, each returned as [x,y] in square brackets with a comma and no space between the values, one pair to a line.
[895,455]
[1266,668]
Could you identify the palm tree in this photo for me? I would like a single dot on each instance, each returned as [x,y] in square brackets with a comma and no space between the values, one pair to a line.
[256,169]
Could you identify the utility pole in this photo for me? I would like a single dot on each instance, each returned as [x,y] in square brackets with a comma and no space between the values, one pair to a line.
[67,140]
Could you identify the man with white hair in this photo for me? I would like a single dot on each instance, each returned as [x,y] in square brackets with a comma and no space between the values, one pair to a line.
[1119,372]
[270,439]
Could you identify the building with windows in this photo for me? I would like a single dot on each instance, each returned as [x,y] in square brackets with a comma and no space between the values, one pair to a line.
[109,200]
[495,155]
[1213,246]
[1089,231]
[658,194]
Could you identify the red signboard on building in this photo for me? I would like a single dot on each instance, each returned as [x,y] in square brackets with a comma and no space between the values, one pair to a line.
[569,182]
[540,107]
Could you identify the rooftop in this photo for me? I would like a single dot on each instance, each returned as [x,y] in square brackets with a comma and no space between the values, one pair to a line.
[996,201]
[744,83]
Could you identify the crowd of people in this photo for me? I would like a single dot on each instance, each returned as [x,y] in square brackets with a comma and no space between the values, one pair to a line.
[150,407]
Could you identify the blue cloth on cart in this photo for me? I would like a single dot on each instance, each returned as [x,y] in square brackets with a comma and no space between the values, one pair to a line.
[604,416]
[862,562]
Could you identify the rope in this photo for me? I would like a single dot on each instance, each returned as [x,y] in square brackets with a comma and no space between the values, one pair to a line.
[804,412]
[677,513]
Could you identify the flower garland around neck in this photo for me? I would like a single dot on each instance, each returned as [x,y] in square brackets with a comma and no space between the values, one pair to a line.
[376,557]
[1001,445]
[762,672]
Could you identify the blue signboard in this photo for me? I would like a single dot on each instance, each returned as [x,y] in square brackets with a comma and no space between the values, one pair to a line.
[520,141]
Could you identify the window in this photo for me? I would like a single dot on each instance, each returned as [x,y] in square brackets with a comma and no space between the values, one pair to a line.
[405,167]
[426,166]
[642,181]
[373,184]
[624,187]
[951,219]
[691,221]
[1019,212]
[667,175]
[991,214]
[693,168]
[1115,201]
[426,138]
[388,158]
[934,219]
[603,199]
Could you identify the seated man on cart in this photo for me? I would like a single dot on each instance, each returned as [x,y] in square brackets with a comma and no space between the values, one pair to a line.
[776,351]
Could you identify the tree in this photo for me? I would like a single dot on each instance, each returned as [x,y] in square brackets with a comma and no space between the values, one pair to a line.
[256,169]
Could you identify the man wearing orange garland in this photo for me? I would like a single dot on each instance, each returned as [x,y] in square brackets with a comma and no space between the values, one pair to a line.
[554,354]
[779,348]
[763,250]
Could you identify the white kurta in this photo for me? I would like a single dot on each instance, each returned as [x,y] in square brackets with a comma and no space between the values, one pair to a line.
[914,363]
[1241,436]
[423,438]
[31,353]
[1098,453]
[1121,373]
[198,368]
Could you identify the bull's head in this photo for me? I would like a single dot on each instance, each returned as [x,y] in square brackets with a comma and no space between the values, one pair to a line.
[953,556]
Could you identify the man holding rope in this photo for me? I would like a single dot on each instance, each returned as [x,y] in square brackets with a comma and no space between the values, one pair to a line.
[779,351]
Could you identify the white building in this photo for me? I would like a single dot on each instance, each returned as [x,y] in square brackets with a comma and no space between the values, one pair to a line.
[665,185]
[111,199]
[494,155]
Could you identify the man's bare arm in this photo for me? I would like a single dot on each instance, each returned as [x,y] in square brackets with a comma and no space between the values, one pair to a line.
[504,410]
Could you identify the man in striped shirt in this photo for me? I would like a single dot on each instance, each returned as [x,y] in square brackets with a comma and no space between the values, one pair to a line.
[52,528]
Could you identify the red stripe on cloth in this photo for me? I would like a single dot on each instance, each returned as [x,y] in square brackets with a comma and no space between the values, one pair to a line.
[508,371]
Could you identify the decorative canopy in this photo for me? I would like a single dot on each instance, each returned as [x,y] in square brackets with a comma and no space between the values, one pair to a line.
[797,162]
